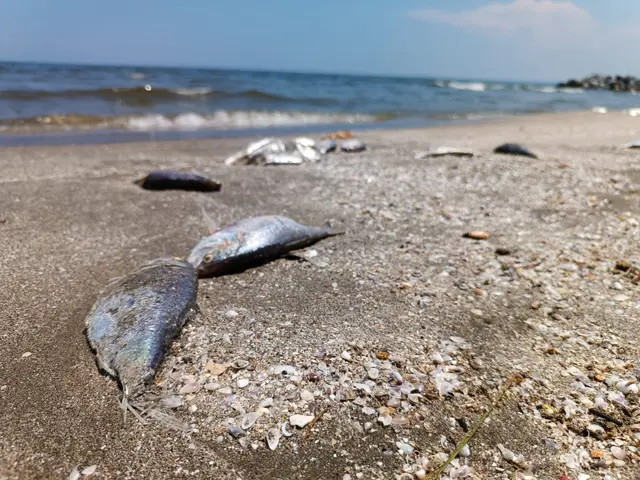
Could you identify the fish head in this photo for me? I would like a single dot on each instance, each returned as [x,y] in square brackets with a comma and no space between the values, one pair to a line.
[213,251]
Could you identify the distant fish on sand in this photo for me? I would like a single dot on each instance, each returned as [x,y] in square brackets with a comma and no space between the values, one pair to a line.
[174,180]
[352,145]
[250,242]
[444,151]
[514,149]
[135,319]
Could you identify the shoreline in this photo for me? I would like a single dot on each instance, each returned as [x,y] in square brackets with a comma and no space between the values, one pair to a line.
[44,137]
[400,293]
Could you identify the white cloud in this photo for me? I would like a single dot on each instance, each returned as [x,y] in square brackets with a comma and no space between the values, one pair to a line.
[547,20]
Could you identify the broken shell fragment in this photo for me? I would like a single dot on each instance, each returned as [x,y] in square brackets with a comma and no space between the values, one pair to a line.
[300,421]
[273,438]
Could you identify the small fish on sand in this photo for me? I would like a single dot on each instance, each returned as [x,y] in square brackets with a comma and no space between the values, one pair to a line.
[250,242]
[444,151]
[135,319]
[631,145]
[274,151]
[256,150]
[353,145]
[327,146]
[514,149]
[175,180]
[309,153]
[283,158]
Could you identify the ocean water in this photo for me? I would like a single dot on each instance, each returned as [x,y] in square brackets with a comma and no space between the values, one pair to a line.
[63,99]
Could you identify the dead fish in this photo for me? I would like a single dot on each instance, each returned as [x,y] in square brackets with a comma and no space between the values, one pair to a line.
[252,241]
[174,180]
[352,145]
[307,142]
[308,153]
[632,145]
[135,319]
[444,151]
[254,150]
[283,158]
[514,149]
[327,146]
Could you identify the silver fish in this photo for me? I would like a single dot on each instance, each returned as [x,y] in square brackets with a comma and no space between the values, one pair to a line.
[308,153]
[134,321]
[252,241]
[327,146]
[307,142]
[282,159]
[444,151]
[352,145]
[256,150]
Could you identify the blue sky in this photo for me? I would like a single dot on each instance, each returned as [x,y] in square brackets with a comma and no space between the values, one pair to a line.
[505,39]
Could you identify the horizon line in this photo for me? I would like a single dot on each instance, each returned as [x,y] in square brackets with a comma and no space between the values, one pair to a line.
[262,70]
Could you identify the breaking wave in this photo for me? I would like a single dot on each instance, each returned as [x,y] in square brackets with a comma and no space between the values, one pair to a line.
[186,121]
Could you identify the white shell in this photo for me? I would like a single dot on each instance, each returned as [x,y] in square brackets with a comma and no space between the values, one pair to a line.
[249,420]
[300,421]
[285,432]
[273,438]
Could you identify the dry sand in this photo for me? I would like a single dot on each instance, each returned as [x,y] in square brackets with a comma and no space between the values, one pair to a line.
[403,281]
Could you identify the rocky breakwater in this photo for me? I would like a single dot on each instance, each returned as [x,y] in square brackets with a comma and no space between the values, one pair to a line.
[616,83]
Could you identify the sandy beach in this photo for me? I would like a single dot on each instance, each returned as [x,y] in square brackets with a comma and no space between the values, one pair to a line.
[401,299]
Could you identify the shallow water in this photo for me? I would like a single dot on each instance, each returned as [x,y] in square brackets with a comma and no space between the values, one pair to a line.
[130,102]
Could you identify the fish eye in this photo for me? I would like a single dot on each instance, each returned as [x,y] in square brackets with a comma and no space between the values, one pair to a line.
[207,258]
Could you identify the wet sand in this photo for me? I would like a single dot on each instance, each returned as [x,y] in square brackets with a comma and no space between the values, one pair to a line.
[402,280]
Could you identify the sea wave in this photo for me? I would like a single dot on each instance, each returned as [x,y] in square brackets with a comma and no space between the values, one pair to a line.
[472,86]
[221,119]
[149,94]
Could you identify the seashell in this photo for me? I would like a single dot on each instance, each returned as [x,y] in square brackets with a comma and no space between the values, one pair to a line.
[239,364]
[273,438]
[373,373]
[284,370]
[189,388]
[285,432]
[267,402]
[216,368]
[174,401]
[385,420]
[306,395]
[618,453]
[249,420]
[89,470]
[368,411]
[346,355]
[242,382]
[465,452]
[405,448]
[300,421]
[626,386]
[236,432]
[509,456]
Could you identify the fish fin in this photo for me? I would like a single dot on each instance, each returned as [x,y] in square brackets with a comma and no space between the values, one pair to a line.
[212,226]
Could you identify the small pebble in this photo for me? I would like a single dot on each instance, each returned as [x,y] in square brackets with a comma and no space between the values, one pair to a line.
[231,314]
[242,382]
[476,235]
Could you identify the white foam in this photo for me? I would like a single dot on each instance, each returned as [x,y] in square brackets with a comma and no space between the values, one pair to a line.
[194,91]
[239,119]
[545,89]
[473,86]
[572,90]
